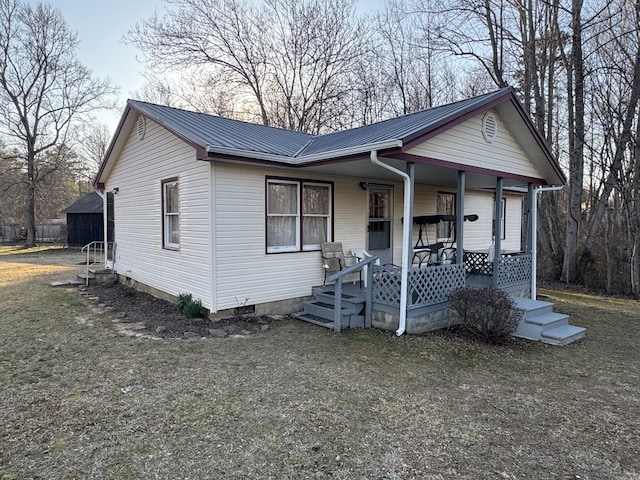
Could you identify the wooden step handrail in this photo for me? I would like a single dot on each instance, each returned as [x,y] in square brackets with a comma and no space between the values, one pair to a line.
[368,291]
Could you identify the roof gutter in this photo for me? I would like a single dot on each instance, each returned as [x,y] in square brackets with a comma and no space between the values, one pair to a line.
[406,238]
[303,159]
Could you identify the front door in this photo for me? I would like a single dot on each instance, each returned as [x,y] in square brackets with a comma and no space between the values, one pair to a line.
[380,222]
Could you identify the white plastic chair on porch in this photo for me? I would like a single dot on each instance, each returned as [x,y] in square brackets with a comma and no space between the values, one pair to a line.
[361,255]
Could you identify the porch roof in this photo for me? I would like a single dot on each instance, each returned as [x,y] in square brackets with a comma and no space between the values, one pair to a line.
[233,140]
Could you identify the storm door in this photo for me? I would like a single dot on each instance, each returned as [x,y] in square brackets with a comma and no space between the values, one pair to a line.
[380,222]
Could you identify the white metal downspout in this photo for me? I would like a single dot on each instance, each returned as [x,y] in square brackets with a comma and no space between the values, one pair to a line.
[103,195]
[406,237]
[534,239]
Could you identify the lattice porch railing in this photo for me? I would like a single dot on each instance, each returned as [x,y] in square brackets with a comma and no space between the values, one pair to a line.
[427,285]
[514,270]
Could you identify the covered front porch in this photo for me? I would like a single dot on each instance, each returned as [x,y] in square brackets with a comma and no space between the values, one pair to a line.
[376,299]
[351,304]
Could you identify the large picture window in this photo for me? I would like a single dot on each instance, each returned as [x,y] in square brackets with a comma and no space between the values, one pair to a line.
[298,215]
[170,214]
[446,205]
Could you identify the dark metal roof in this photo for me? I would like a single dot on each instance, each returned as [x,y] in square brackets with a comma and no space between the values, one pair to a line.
[88,203]
[404,128]
[223,139]
[210,131]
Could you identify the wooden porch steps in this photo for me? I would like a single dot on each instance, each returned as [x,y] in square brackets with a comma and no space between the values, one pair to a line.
[320,310]
[541,323]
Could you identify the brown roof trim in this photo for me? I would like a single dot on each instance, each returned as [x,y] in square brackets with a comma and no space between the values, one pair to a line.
[542,143]
[407,157]
[116,135]
[200,150]
[327,161]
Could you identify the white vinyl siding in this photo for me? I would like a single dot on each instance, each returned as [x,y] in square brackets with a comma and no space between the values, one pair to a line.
[465,145]
[224,250]
[245,272]
[138,175]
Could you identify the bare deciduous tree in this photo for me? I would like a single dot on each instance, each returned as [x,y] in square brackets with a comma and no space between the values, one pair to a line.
[292,58]
[43,90]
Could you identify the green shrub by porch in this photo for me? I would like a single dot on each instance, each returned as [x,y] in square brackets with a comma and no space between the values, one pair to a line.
[487,313]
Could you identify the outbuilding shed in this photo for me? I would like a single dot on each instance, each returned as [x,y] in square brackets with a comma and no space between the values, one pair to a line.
[85,222]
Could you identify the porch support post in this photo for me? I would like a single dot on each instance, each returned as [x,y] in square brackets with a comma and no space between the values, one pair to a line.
[531,197]
[460,217]
[497,228]
[411,171]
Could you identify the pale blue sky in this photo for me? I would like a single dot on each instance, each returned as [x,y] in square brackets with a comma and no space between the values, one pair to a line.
[100,26]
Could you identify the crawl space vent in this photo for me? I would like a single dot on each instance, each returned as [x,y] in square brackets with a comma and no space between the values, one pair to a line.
[489,127]
[141,127]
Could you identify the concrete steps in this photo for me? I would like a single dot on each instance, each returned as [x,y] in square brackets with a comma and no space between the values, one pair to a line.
[98,275]
[540,323]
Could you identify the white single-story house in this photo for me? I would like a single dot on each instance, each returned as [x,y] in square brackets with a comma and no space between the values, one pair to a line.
[236,213]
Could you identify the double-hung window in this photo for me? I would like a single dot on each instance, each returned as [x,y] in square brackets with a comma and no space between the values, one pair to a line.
[298,215]
[170,214]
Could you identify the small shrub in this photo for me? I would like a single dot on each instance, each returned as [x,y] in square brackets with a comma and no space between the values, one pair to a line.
[189,307]
[487,313]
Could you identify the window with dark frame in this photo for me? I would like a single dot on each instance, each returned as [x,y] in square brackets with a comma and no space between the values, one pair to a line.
[298,214]
[170,214]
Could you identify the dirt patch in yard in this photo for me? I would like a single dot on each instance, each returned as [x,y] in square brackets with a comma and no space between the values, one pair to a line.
[144,313]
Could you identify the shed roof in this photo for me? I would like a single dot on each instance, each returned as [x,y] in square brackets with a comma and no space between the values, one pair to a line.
[89,203]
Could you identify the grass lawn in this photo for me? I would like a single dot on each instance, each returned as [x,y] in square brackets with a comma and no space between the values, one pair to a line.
[81,401]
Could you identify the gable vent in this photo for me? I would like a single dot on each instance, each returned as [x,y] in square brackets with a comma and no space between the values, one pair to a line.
[489,127]
[141,127]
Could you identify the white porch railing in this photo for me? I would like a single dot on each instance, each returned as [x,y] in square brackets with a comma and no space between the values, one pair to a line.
[95,252]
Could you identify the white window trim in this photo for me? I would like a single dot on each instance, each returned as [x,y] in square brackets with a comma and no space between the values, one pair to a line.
[316,246]
[284,248]
[166,234]
[299,216]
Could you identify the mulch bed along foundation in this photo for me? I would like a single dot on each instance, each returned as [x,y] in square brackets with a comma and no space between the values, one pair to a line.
[160,318]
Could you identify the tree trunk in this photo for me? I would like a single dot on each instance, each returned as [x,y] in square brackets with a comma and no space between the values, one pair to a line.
[576,149]
[31,197]
[621,147]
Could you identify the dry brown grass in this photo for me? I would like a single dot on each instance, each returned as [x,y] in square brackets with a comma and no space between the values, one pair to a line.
[81,401]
